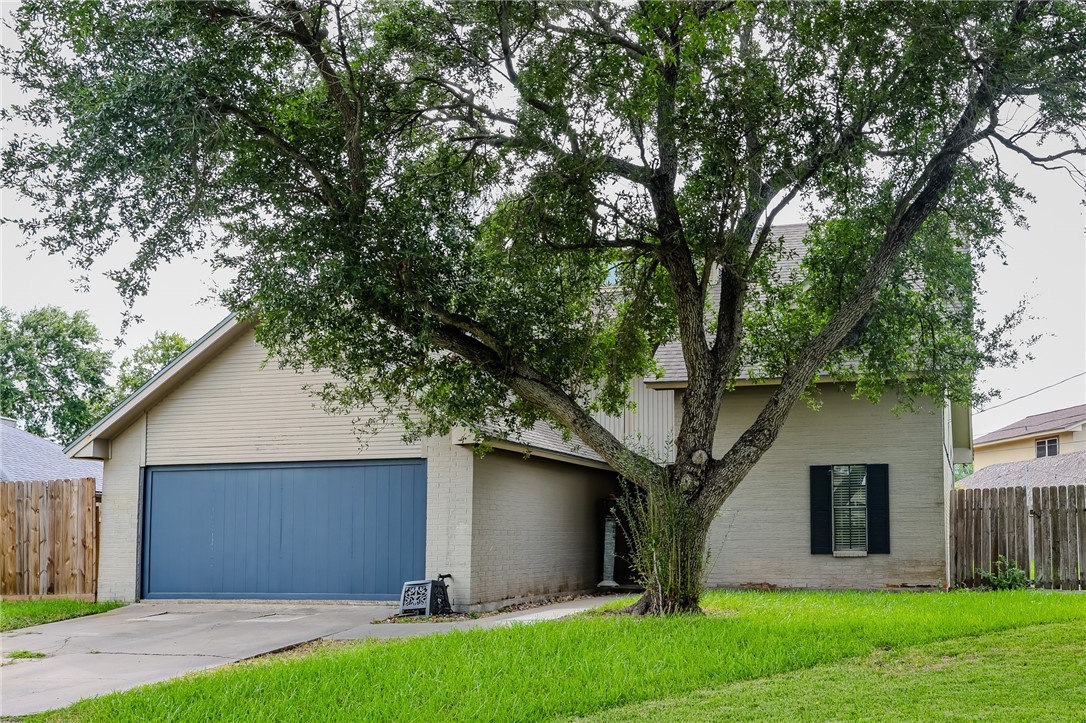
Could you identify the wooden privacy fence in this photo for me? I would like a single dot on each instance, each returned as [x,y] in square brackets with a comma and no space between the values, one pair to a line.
[1041,529]
[49,531]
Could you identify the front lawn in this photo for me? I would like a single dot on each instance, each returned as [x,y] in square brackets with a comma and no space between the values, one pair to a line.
[24,613]
[584,666]
[1027,674]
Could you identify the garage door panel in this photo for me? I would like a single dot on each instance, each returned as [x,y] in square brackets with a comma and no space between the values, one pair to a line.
[319,530]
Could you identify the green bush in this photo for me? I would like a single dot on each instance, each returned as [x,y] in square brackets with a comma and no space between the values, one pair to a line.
[1006,575]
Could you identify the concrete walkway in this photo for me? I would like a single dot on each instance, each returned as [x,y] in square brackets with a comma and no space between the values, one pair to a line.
[154,641]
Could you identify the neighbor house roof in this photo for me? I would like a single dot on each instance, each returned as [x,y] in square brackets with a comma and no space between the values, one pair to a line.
[93,444]
[1061,420]
[670,355]
[25,457]
[1063,469]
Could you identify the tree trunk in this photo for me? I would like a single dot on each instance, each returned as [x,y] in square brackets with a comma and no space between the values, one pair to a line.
[667,533]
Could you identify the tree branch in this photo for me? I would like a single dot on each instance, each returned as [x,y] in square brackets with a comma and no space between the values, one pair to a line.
[912,209]
[328,190]
[459,336]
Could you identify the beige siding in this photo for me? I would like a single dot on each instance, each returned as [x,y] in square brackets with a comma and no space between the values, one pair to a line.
[237,409]
[650,425]
[1020,450]
[536,528]
[762,536]
[119,533]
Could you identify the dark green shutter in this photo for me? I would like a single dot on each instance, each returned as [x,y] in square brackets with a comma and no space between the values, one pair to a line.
[878,509]
[821,510]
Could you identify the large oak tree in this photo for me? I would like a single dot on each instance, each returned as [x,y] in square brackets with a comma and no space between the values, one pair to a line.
[430,197]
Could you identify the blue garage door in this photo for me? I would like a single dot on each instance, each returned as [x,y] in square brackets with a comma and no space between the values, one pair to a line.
[322,530]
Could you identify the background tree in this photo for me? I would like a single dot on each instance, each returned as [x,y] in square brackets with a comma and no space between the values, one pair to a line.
[52,371]
[428,197]
[143,363]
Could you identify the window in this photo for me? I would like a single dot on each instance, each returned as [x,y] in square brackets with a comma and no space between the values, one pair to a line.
[850,508]
[1048,447]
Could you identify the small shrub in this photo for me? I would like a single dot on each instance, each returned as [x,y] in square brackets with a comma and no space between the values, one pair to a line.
[1006,575]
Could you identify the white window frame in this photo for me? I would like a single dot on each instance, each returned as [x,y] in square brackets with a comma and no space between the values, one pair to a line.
[1047,444]
[849,552]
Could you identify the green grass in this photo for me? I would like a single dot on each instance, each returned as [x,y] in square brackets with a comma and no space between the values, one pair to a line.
[1028,674]
[580,666]
[23,614]
[23,654]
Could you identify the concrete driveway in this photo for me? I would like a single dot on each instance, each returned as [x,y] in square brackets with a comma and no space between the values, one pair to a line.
[153,641]
[149,642]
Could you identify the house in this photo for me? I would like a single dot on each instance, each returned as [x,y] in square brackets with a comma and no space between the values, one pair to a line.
[224,479]
[1040,435]
[1063,469]
[25,457]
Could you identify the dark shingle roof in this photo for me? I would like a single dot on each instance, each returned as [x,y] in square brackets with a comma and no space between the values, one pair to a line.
[670,356]
[26,457]
[1037,424]
[1063,469]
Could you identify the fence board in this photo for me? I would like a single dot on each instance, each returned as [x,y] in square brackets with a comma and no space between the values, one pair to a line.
[1081,515]
[8,559]
[1044,557]
[49,545]
[1021,528]
[37,543]
[1068,551]
[1070,539]
[1006,531]
[1082,536]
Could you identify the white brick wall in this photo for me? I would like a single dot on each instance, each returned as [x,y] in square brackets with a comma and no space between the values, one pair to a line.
[763,534]
[118,543]
[449,495]
[536,527]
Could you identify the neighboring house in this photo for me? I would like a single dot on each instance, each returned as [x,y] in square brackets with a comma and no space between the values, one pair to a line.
[1063,469]
[224,479]
[1041,435]
[25,457]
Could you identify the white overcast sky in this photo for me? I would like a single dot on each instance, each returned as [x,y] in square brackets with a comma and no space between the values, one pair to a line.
[1046,263]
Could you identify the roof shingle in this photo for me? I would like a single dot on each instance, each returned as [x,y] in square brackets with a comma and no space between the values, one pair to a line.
[25,457]
[1063,469]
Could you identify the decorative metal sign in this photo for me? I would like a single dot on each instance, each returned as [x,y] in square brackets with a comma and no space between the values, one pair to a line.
[425,597]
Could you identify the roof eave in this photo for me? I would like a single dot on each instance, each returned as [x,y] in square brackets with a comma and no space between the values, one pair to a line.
[684,383]
[534,451]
